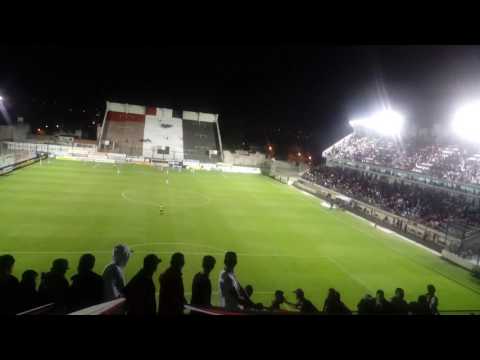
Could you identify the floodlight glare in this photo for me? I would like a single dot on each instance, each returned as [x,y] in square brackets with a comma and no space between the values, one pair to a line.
[466,122]
[1,98]
[385,122]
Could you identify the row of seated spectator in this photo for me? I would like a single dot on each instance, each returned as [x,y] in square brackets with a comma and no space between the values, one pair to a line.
[88,288]
[450,162]
[431,207]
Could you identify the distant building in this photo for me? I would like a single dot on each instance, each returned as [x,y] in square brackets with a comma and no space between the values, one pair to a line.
[15,132]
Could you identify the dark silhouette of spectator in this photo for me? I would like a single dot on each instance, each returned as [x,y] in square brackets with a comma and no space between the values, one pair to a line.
[249,290]
[366,306]
[342,308]
[304,305]
[246,300]
[9,286]
[54,286]
[330,304]
[231,293]
[277,301]
[334,305]
[202,286]
[382,306]
[87,286]
[27,293]
[113,277]
[171,300]
[140,291]
[432,300]
[398,304]
[420,307]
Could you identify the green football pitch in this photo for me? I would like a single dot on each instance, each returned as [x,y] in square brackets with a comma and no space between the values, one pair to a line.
[284,239]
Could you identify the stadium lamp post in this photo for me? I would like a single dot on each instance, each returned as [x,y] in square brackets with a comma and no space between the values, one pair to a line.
[465,122]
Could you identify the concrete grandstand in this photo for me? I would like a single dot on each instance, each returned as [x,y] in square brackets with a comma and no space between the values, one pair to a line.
[160,133]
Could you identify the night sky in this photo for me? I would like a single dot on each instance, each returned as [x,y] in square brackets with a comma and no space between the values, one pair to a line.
[285,94]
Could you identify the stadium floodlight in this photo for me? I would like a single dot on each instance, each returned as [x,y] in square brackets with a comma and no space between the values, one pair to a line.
[386,122]
[466,122]
[1,98]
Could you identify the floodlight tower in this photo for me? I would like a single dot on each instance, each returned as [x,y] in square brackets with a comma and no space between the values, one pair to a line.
[466,122]
[386,122]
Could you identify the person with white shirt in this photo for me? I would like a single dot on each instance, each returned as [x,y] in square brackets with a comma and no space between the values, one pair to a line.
[432,300]
[231,292]
[113,276]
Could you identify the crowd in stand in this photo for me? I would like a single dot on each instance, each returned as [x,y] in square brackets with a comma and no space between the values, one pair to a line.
[452,163]
[88,288]
[431,207]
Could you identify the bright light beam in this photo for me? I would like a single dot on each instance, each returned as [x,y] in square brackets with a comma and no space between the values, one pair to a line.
[466,122]
[387,122]
[4,112]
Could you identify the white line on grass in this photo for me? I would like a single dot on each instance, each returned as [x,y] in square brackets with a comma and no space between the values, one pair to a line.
[216,292]
[177,243]
[378,228]
[222,253]
[349,274]
[390,232]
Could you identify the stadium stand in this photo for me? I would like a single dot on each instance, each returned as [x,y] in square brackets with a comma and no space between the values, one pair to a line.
[160,133]
[437,185]
[435,208]
[199,138]
[451,163]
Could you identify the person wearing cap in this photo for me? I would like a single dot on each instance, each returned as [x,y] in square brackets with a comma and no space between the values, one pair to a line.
[202,286]
[140,291]
[9,286]
[113,277]
[304,305]
[54,286]
[87,286]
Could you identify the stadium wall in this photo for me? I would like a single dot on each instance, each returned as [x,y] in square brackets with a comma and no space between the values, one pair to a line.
[464,263]
[420,232]
[17,160]
[243,158]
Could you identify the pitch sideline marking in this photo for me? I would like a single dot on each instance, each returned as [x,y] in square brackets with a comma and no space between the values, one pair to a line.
[159,252]
[344,270]
[379,227]
[177,243]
